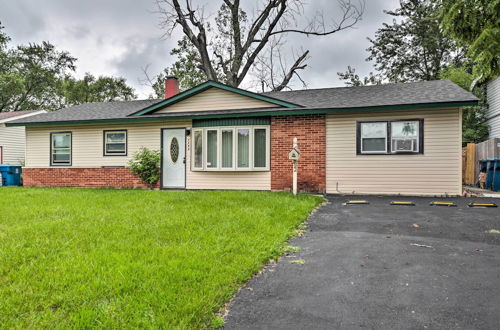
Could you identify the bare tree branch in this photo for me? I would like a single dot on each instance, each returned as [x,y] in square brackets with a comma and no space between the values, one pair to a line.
[238,47]
[298,65]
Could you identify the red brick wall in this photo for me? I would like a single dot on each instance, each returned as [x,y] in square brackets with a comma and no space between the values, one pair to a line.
[310,131]
[81,177]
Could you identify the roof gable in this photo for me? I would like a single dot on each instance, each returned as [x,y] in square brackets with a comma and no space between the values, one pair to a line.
[223,97]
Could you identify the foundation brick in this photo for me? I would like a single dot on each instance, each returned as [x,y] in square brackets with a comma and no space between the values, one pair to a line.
[82,177]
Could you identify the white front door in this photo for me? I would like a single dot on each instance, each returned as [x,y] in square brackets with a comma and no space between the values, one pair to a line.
[174,158]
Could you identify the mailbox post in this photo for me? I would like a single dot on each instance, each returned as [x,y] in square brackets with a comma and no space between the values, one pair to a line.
[294,156]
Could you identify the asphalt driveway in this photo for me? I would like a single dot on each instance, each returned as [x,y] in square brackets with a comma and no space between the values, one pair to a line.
[382,267]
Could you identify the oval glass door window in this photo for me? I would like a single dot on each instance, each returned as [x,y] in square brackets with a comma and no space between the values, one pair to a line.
[174,150]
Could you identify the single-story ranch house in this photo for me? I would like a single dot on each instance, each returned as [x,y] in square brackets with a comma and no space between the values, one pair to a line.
[385,139]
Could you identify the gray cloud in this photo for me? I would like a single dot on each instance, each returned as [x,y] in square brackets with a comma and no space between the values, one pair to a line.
[119,37]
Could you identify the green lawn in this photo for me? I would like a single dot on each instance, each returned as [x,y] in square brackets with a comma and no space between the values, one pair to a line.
[86,258]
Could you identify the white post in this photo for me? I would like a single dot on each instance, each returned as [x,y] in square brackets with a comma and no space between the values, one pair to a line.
[295,168]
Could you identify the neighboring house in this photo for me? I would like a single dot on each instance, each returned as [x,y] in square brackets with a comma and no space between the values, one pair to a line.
[493,114]
[12,139]
[385,139]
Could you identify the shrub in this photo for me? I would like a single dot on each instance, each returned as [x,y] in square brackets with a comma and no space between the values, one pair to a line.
[145,164]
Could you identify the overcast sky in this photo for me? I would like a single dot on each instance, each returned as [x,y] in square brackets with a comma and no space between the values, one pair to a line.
[120,37]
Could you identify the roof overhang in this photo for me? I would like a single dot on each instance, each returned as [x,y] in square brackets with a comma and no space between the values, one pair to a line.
[203,87]
[252,113]
[21,116]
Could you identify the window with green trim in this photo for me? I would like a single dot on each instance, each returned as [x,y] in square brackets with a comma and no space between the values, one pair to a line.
[115,143]
[239,148]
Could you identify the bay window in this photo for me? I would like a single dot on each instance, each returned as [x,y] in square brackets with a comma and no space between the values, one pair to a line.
[243,148]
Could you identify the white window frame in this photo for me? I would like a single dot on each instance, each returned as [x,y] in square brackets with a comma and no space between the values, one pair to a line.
[233,160]
[268,143]
[234,167]
[250,149]
[106,152]
[52,149]
[361,138]
[193,150]
[205,149]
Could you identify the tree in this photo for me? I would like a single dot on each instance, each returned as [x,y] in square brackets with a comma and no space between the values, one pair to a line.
[186,69]
[30,76]
[414,46]
[474,127]
[475,24]
[92,89]
[229,46]
[351,78]
[38,76]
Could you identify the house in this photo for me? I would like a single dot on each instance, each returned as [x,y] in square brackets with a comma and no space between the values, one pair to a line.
[385,139]
[493,113]
[12,139]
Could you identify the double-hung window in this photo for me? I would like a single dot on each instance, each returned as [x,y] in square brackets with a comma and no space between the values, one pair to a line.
[239,148]
[60,148]
[115,143]
[390,137]
[374,138]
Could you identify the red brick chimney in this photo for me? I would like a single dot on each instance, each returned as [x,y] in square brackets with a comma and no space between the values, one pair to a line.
[171,86]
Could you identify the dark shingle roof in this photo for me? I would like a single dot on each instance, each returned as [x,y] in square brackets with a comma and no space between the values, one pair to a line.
[92,111]
[12,114]
[439,91]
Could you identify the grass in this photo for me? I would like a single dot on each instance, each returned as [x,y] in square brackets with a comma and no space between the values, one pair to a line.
[84,258]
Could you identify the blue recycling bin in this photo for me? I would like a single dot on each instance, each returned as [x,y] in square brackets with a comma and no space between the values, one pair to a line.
[10,175]
[493,178]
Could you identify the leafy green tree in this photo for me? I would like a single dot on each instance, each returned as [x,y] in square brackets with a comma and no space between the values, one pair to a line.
[351,78]
[475,24]
[38,76]
[30,76]
[474,127]
[413,47]
[92,89]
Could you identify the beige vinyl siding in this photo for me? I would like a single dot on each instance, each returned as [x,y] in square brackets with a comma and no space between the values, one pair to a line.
[12,141]
[216,99]
[87,152]
[436,172]
[87,142]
